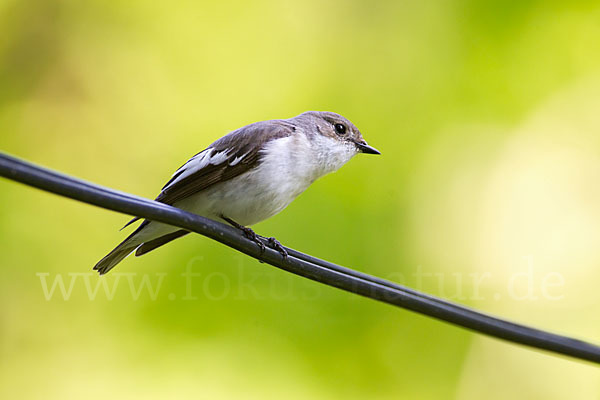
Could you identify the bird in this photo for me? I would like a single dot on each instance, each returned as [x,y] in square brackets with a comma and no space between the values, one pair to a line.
[248,176]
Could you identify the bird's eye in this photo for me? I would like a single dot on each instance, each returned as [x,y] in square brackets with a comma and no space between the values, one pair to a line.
[340,129]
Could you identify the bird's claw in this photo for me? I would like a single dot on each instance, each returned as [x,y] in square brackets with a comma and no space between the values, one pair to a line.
[250,234]
[276,245]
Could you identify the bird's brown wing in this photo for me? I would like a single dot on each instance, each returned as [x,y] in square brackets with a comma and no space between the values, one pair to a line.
[219,164]
[228,157]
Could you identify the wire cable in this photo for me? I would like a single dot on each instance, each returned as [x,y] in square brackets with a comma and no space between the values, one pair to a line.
[297,263]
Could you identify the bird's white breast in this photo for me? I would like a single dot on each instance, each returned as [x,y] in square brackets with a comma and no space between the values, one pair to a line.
[288,166]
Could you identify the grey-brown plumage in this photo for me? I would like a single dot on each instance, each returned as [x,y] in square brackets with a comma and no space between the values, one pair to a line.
[246,142]
[249,175]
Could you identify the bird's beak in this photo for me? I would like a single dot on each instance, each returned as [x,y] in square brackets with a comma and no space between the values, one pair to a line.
[363,147]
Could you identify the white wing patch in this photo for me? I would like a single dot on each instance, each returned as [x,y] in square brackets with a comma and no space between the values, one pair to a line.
[219,158]
[198,162]
[238,159]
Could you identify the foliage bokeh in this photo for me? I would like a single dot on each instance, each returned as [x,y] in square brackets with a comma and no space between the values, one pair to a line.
[487,117]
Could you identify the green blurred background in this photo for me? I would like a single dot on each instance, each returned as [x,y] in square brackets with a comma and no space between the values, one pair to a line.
[487,193]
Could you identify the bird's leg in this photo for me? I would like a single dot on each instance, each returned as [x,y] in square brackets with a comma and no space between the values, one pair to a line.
[249,233]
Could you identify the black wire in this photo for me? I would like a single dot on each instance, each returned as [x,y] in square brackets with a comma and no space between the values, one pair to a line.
[297,262]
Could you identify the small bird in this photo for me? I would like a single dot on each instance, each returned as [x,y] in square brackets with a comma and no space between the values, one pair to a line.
[249,175]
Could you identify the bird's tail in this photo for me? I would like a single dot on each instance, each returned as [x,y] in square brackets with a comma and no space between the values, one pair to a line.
[114,257]
[125,248]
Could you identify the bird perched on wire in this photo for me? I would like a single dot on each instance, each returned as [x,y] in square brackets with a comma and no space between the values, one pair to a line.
[249,175]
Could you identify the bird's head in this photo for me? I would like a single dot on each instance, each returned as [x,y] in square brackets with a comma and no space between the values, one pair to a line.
[338,128]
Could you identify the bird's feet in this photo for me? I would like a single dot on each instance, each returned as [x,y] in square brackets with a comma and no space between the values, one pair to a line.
[250,234]
[276,245]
